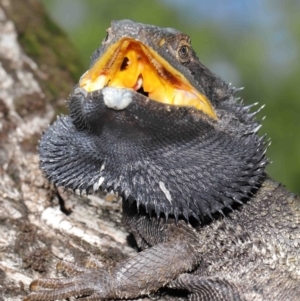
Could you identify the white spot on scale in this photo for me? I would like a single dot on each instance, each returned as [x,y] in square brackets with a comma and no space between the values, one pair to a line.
[80,192]
[101,180]
[95,186]
[167,193]
[98,184]
[117,99]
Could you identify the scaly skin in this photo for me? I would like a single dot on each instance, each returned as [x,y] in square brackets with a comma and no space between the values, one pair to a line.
[252,254]
[195,195]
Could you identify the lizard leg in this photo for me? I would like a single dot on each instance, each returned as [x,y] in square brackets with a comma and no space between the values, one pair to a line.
[208,289]
[140,275]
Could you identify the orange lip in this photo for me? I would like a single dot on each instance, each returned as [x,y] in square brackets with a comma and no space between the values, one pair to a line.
[131,64]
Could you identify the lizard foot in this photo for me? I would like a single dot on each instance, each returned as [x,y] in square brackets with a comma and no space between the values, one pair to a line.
[91,282]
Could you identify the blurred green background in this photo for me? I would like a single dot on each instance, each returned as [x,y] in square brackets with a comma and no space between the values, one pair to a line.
[250,43]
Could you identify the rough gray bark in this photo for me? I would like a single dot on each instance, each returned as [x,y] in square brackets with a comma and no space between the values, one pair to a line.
[39,225]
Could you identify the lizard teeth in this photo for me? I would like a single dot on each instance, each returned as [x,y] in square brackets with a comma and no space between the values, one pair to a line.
[139,83]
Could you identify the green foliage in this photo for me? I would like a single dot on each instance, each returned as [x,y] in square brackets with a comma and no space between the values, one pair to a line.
[263,56]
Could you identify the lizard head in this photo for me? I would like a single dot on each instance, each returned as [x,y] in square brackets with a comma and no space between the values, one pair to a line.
[148,60]
[151,123]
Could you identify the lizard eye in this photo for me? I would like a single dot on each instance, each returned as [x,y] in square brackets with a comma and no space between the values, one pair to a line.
[183,53]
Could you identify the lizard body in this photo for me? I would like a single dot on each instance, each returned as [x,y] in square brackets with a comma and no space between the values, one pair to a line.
[190,170]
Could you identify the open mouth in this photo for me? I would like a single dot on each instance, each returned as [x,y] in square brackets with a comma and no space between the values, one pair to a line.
[131,64]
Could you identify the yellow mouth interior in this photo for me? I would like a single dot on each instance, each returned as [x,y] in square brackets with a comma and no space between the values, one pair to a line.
[130,64]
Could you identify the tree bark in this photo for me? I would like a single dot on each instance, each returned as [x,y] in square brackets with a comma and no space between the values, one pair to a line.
[39,224]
